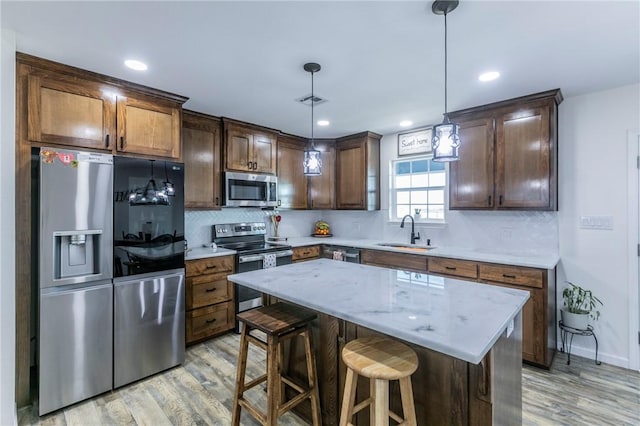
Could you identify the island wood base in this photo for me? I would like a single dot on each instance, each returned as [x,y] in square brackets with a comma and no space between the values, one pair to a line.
[447,390]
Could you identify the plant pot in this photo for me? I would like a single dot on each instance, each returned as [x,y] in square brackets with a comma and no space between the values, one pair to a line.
[578,321]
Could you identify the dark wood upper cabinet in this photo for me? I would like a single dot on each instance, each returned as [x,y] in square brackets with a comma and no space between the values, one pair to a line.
[292,183]
[322,189]
[358,172]
[148,127]
[201,153]
[72,112]
[508,155]
[471,177]
[74,107]
[523,153]
[249,148]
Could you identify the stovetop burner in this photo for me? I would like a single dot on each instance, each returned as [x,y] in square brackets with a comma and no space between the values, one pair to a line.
[245,238]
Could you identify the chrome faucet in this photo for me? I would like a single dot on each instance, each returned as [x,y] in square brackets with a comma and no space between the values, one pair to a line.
[414,237]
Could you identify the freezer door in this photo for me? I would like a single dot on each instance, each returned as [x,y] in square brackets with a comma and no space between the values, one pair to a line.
[149,326]
[76,328]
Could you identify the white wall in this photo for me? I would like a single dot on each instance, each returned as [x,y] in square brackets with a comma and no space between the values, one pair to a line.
[593,170]
[7,227]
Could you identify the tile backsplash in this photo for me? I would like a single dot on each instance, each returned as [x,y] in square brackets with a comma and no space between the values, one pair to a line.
[494,231]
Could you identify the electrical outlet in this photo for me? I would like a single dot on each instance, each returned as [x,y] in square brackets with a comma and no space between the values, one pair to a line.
[596,222]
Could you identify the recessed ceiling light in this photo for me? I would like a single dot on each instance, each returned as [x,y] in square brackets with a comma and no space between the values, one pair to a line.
[406,123]
[136,65]
[489,76]
[323,122]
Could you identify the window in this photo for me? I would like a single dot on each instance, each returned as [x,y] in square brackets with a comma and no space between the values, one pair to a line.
[418,185]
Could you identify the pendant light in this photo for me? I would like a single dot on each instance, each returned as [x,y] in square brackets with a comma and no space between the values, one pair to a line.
[445,140]
[312,164]
[149,195]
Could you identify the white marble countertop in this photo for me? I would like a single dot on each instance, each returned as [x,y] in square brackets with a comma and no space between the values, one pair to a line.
[204,252]
[458,318]
[522,258]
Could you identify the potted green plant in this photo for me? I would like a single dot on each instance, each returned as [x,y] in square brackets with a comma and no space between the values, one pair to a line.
[579,306]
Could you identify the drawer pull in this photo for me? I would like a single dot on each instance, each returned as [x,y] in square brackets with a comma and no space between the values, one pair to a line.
[513,277]
[450,268]
[209,290]
[210,321]
[212,266]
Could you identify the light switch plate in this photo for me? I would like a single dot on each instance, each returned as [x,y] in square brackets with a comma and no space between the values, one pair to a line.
[596,222]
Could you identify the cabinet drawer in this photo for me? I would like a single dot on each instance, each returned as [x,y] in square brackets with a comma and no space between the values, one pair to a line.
[512,275]
[393,260]
[455,267]
[301,253]
[206,290]
[210,320]
[210,265]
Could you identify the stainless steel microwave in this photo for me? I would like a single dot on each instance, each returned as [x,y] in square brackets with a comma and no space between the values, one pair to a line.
[250,190]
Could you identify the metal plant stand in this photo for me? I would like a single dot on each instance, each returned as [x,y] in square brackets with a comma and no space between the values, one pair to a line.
[568,341]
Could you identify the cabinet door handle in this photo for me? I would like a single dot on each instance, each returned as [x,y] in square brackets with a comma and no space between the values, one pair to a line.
[209,290]
[450,268]
[361,203]
[500,200]
[513,277]
[489,200]
[217,201]
[255,165]
[106,141]
[210,321]
[121,143]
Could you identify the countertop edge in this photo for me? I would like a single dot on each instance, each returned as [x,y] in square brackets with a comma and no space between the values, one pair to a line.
[522,259]
[471,357]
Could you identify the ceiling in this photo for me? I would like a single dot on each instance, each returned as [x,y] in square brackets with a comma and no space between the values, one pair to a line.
[382,62]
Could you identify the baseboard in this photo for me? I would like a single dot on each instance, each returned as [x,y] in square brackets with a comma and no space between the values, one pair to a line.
[590,353]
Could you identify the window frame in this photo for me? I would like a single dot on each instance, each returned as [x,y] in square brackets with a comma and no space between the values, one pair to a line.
[393,191]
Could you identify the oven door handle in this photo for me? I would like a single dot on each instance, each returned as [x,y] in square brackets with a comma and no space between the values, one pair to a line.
[250,258]
[284,253]
[255,257]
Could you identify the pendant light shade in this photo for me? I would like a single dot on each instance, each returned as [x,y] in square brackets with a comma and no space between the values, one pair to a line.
[446,139]
[312,164]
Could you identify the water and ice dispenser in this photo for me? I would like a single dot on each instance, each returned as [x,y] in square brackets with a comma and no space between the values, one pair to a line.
[76,253]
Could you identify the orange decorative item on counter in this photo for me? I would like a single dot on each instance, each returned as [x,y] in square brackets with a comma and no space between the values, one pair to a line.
[321,229]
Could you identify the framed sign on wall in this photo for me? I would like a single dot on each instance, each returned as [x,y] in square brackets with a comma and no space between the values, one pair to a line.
[414,142]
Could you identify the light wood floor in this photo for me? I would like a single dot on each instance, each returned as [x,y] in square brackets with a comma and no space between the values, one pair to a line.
[200,392]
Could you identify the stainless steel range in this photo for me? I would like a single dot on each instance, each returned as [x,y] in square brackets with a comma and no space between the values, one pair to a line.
[253,253]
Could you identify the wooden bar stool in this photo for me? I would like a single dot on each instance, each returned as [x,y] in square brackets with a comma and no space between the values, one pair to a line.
[279,322]
[380,359]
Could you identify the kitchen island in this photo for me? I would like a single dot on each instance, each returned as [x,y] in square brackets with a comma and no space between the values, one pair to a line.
[467,335]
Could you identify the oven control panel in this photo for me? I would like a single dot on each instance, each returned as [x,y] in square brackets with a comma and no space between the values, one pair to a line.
[239,229]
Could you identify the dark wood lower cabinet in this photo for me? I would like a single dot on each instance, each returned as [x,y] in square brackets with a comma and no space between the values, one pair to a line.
[447,391]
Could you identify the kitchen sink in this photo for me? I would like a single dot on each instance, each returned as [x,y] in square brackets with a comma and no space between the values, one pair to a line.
[406,246]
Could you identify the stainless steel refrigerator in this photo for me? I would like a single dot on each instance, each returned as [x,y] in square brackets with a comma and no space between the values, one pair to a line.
[75,276]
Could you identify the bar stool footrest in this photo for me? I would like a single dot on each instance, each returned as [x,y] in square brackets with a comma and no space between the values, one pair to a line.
[253,410]
[255,382]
